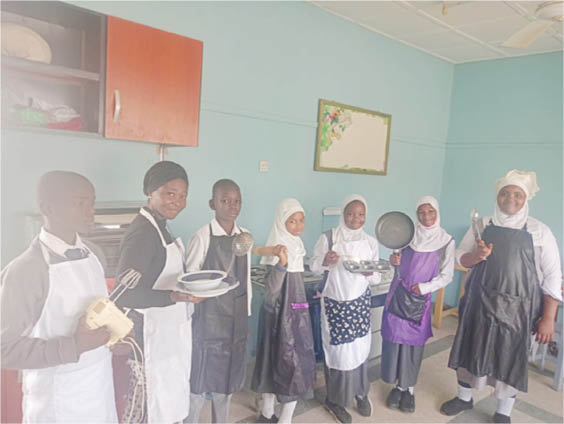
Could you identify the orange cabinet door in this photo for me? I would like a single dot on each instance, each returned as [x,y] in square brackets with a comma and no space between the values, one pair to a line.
[153,81]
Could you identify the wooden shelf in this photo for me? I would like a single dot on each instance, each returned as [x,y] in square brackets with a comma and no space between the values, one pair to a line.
[48,70]
[439,312]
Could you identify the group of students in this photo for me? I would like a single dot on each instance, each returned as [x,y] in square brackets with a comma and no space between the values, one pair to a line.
[195,348]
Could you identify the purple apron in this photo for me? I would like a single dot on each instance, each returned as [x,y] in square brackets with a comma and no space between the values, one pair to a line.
[415,268]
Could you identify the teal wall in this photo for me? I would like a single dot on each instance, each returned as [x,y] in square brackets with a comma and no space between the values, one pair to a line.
[505,114]
[266,64]
[455,129]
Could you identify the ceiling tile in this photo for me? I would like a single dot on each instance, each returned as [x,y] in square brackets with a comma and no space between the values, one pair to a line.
[544,43]
[422,25]
[387,17]
[468,53]
[438,40]
[495,30]
[558,27]
[529,6]
[464,13]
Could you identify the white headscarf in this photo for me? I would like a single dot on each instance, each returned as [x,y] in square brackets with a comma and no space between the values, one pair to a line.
[280,235]
[429,239]
[344,233]
[525,180]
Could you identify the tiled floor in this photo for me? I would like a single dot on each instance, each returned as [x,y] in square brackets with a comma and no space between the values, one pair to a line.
[436,384]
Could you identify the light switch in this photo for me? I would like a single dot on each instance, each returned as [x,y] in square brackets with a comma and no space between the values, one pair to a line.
[263,166]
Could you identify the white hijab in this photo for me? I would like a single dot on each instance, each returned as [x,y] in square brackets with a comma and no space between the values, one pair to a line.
[342,232]
[280,235]
[429,239]
[525,180]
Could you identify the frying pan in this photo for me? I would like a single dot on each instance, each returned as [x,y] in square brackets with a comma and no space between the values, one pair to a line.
[395,230]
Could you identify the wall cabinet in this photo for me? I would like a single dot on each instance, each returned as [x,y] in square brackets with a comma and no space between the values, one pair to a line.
[106,75]
[153,83]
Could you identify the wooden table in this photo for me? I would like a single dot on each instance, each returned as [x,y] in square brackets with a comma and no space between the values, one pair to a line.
[438,312]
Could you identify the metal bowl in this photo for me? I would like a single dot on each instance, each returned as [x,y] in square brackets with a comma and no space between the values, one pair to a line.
[201,280]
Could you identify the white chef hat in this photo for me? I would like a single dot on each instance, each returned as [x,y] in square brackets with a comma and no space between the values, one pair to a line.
[526,180]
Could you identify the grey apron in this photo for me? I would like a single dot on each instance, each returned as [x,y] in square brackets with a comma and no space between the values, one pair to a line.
[220,327]
[502,303]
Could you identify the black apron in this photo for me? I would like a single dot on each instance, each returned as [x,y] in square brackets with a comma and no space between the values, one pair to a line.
[285,362]
[220,327]
[503,302]
[293,358]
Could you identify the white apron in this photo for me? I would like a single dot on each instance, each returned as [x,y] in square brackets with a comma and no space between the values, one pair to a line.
[167,336]
[76,392]
[343,285]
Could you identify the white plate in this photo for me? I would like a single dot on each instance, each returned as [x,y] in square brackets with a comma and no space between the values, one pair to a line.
[223,288]
[201,284]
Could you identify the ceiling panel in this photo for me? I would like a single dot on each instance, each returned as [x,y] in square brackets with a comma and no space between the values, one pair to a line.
[544,43]
[475,11]
[495,30]
[388,17]
[468,53]
[558,27]
[457,36]
[438,40]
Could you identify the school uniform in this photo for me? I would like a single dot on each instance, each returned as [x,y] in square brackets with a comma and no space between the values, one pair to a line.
[345,310]
[45,291]
[524,266]
[504,297]
[406,322]
[285,362]
[219,324]
[162,327]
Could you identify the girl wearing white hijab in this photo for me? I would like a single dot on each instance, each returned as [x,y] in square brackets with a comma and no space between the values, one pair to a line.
[285,362]
[513,289]
[346,299]
[425,266]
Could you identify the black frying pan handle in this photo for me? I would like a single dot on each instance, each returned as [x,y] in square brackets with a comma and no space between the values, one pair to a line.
[396,267]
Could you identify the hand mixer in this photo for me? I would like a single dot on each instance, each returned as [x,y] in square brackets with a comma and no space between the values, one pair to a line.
[103,311]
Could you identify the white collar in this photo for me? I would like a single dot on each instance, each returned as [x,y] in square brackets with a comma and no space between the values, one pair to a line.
[217,230]
[57,245]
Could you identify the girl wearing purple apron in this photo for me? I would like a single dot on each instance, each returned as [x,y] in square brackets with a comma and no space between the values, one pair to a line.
[425,266]
[513,289]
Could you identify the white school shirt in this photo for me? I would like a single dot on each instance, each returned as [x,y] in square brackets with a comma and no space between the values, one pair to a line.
[547,255]
[197,250]
[322,247]
[59,246]
[446,271]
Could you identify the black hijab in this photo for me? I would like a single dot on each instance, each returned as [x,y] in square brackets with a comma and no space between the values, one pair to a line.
[161,173]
